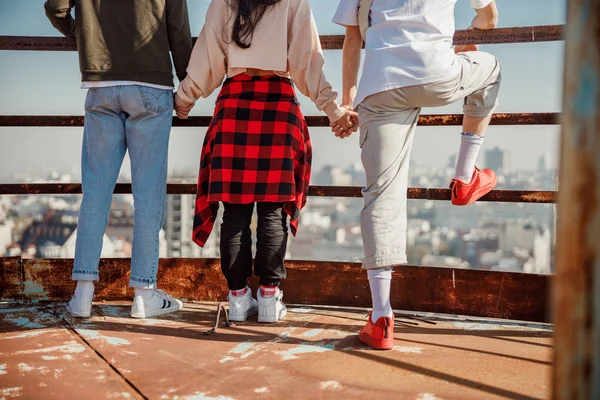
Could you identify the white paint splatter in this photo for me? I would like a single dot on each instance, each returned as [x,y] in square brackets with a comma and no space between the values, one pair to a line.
[131,353]
[305,348]
[202,396]
[11,392]
[405,349]
[28,334]
[24,368]
[69,347]
[301,310]
[261,390]
[428,396]
[242,350]
[3,369]
[330,385]
[313,333]
[48,358]
[57,373]
[95,335]
[42,384]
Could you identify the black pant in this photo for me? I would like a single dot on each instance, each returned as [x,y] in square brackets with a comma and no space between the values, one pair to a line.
[236,244]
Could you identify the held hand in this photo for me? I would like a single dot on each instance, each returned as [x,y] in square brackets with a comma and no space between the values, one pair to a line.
[182,108]
[346,125]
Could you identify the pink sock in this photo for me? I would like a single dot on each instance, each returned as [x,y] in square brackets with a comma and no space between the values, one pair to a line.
[268,291]
[240,292]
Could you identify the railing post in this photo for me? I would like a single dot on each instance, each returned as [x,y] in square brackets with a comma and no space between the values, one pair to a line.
[577,282]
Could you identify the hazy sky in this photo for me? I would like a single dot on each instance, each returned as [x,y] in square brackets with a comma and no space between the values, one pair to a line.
[38,83]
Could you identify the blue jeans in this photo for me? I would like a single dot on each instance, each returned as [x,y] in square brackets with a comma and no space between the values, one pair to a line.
[117,119]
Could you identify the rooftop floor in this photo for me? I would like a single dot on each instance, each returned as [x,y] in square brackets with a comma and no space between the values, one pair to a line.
[313,354]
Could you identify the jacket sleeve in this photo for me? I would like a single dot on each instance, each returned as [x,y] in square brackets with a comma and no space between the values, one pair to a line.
[306,62]
[180,37]
[59,14]
[207,67]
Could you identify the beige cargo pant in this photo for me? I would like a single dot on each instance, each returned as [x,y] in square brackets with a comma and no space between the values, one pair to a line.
[387,125]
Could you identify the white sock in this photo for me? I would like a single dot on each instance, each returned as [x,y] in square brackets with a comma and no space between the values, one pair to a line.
[144,293]
[380,281]
[470,144]
[84,289]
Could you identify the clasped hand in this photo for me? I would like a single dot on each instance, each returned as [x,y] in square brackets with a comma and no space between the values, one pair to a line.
[346,125]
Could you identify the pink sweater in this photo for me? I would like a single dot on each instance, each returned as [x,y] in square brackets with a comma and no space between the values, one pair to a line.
[285,41]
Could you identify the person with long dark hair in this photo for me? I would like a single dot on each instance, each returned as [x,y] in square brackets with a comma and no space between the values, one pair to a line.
[257,148]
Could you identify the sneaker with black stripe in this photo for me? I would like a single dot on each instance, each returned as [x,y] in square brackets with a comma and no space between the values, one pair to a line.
[160,303]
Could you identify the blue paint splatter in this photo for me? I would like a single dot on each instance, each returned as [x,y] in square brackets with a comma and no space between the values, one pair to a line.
[242,348]
[22,321]
[305,348]
[313,333]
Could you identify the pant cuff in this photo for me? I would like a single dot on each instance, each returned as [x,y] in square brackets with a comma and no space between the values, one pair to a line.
[269,282]
[479,111]
[142,283]
[85,275]
[384,262]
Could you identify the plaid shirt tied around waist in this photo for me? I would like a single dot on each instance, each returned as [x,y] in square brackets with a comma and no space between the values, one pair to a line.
[257,149]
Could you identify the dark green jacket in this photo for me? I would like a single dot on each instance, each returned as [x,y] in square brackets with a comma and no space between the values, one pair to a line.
[126,40]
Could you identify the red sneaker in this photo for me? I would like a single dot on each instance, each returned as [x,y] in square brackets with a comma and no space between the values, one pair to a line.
[378,335]
[481,184]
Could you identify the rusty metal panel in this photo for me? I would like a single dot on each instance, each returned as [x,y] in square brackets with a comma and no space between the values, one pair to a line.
[314,121]
[525,34]
[499,196]
[577,289]
[11,277]
[440,290]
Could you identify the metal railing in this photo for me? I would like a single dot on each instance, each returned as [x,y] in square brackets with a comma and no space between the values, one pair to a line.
[470,292]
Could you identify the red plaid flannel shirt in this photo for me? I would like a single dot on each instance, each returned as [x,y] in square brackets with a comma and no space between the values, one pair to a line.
[257,149]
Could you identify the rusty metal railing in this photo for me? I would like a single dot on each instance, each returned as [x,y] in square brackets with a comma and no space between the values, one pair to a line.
[497,196]
[315,121]
[526,34]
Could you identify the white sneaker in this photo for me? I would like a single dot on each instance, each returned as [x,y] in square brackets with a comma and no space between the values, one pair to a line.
[271,308]
[80,306]
[160,303]
[242,307]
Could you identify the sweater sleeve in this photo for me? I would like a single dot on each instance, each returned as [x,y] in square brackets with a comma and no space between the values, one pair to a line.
[59,14]
[180,37]
[207,67]
[306,62]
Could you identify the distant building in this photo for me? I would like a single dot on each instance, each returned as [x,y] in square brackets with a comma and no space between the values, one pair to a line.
[497,160]
[178,227]
[53,235]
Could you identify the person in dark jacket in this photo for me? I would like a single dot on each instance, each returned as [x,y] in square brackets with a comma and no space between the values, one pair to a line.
[125,50]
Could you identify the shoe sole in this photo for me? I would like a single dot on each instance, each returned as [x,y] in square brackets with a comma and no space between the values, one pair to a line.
[78,315]
[243,317]
[272,319]
[476,195]
[377,344]
[160,311]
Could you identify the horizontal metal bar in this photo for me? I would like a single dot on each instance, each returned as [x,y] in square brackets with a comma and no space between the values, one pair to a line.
[438,290]
[525,34]
[424,120]
[499,196]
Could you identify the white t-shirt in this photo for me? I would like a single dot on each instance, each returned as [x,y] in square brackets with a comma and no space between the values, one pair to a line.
[408,43]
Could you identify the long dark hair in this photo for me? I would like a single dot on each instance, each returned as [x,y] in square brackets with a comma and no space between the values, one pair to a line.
[249,14]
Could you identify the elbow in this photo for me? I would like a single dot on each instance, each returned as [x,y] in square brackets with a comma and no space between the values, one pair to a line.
[492,22]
